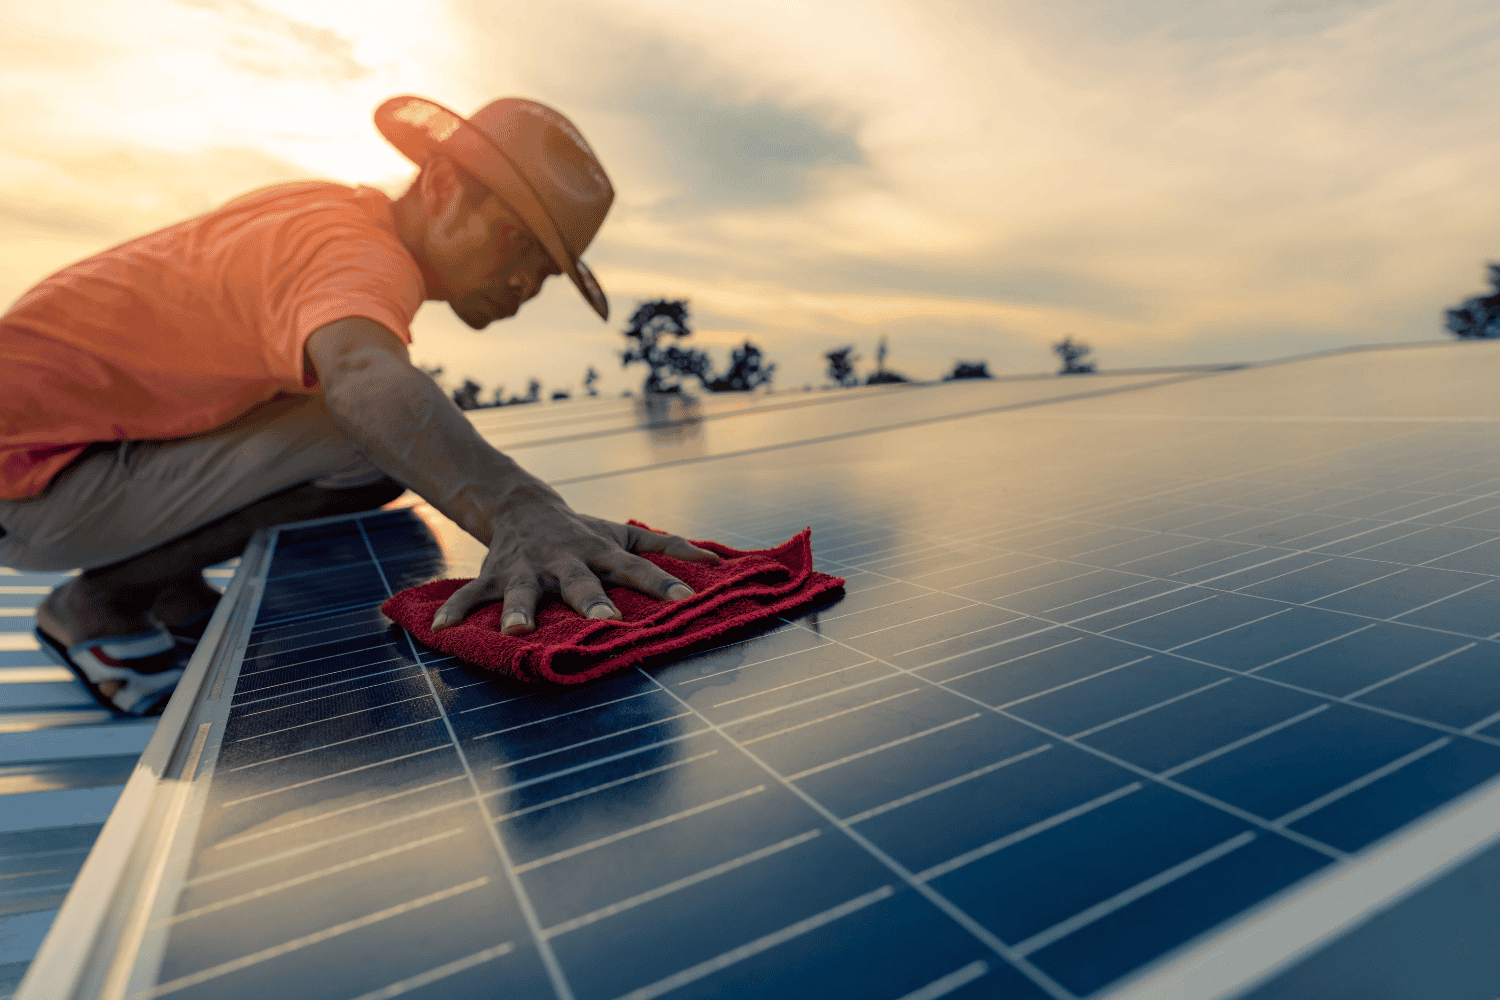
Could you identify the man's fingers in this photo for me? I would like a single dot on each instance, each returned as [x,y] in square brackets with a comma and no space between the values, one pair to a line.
[675,546]
[519,616]
[583,592]
[465,599]
[574,575]
[647,577]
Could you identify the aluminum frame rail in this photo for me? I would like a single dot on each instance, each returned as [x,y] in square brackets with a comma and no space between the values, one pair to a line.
[100,944]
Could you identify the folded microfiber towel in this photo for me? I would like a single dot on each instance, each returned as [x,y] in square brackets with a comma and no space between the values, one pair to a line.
[745,590]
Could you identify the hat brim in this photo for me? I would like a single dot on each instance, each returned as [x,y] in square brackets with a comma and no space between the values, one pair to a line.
[419,128]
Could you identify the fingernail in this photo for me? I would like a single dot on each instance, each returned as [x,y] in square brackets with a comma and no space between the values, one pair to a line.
[441,622]
[602,610]
[678,591]
[512,620]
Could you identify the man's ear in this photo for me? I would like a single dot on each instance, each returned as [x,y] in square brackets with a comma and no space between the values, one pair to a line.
[440,186]
[520,238]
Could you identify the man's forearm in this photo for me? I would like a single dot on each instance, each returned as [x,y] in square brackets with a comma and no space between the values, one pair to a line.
[406,426]
[403,423]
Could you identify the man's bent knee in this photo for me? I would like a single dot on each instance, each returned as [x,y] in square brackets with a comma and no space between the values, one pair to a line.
[352,500]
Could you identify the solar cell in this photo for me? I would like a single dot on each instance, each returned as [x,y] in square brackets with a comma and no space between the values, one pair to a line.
[1106,677]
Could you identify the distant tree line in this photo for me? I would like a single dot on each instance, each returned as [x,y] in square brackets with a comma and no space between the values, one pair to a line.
[1477,318]
[656,331]
[468,396]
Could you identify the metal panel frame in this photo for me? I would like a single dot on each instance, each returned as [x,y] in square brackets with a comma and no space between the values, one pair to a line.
[93,944]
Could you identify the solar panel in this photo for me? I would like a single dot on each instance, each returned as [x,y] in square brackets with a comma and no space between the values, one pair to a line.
[1116,679]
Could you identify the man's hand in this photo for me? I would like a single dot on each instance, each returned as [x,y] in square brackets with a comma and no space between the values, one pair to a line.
[542,545]
[410,430]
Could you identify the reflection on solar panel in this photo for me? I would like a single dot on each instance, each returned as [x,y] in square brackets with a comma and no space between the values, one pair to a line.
[1158,692]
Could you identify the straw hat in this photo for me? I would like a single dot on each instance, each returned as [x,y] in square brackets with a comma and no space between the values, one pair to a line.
[529,155]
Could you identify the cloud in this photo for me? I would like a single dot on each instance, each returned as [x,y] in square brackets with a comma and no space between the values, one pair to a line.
[719,154]
[1164,179]
[270,43]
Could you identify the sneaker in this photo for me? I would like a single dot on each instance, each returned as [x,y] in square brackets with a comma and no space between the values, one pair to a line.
[130,674]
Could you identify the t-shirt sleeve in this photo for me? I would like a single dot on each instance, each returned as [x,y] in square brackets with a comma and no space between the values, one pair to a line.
[349,273]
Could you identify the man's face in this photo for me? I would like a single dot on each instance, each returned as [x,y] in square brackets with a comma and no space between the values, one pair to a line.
[485,264]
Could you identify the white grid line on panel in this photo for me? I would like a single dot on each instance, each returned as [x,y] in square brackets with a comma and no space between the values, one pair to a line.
[1243,741]
[792,684]
[1103,909]
[810,699]
[441,972]
[591,763]
[953,864]
[940,901]
[825,718]
[1304,811]
[523,900]
[898,741]
[687,881]
[605,786]
[1066,684]
[320,817]
[255,958]
[1408,671]
[718,963]
[327,718]
[325,684]
[301,663]
[943,786]
[939,988]
[559,715]
[343,866]
[324,697]
[329,746]
[597,739]
[1145,773]
[654,824]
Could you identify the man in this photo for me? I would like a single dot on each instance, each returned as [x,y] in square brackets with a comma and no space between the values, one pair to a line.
[165,398]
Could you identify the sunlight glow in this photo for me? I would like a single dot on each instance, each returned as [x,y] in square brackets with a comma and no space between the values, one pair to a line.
[1189,184]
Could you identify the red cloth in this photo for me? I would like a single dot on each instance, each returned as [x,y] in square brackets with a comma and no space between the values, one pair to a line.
[746,589]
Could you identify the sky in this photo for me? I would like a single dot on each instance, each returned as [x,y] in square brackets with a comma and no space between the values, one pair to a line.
[1170,181]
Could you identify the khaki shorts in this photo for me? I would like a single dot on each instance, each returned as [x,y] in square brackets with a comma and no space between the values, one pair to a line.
[115,502]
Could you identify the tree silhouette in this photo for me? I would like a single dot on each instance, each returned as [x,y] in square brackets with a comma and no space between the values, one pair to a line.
[589,378]
[652,323]
[883,375]
[841,366]
[1072,353]
[467,395]
[1478,317]
[745,373]
[968,369]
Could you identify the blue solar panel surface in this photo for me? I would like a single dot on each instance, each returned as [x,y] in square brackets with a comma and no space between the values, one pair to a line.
[1104,679]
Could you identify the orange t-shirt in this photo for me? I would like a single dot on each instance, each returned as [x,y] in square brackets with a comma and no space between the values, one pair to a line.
[181,331]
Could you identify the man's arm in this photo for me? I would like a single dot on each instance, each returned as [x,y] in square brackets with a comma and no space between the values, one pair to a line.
[408,428]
